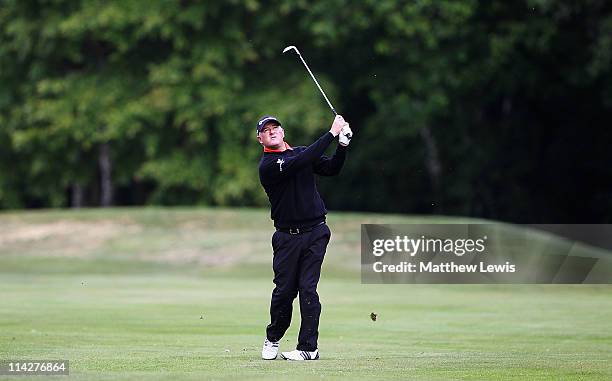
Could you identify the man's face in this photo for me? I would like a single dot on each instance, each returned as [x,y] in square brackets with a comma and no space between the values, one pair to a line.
[271,135]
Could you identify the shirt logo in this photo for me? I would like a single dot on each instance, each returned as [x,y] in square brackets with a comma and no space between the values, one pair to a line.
[280,164]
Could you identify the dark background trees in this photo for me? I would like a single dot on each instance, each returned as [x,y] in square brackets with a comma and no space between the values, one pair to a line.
[493,109]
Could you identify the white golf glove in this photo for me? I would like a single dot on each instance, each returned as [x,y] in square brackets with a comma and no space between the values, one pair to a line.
[346,134]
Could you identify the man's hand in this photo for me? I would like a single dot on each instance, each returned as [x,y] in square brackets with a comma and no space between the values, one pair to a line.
[345,135]
[337,126]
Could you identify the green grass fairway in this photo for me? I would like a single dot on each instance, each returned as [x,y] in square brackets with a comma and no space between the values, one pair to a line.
[159,294]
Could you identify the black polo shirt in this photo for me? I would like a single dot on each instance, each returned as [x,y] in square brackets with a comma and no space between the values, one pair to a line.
[288,178]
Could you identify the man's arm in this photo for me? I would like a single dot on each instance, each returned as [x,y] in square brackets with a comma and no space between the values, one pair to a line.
[326,166]
[273,172]
[331,167]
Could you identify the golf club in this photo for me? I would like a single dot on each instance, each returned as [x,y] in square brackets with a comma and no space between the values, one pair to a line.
[288,48]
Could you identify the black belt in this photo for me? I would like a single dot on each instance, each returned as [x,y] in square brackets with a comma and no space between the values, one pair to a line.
[299,230]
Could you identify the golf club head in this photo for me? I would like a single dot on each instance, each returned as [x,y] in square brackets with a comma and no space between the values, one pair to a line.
[288,48]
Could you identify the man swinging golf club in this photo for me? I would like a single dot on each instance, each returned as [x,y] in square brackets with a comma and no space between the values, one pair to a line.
[287,174]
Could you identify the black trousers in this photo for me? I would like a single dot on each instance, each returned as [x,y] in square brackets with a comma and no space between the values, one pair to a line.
[297,267]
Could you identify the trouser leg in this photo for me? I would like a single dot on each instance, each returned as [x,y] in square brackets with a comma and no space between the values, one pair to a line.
[310,272]
[285,264]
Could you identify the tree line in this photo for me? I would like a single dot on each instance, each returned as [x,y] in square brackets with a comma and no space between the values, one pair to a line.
[489,109]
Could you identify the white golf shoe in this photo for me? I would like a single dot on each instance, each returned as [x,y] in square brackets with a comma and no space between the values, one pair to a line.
[300,355]
[269,350]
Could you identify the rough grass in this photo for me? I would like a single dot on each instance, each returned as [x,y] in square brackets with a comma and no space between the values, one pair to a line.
[183,294]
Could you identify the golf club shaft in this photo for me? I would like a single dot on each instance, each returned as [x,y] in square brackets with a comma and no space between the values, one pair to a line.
[317,83]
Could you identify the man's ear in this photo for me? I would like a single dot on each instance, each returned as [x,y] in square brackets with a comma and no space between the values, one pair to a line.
[282,131]
[259,139]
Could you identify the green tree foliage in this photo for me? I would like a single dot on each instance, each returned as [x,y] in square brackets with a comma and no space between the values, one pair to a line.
[490,109]
[494,109]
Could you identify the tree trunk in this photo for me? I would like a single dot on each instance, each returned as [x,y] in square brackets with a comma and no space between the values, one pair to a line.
[106,181]
[78,194]
[432,164]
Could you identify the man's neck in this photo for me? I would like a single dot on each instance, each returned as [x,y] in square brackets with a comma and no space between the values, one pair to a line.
[279,148]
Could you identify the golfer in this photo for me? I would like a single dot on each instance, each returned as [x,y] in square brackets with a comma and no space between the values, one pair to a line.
[287,174]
